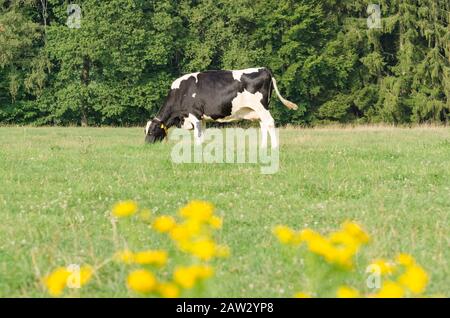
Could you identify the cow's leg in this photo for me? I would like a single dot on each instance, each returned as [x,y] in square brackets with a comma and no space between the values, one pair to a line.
[198,133]
[269,126]
[203,129]
[263,134]
[192,122]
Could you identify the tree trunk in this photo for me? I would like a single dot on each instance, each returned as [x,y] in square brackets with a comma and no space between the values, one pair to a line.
[85,82]
[84,121]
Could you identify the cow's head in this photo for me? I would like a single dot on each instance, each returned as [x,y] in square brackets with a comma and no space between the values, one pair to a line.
[155,131]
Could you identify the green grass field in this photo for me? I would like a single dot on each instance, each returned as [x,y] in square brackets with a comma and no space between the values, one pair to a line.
[57,186]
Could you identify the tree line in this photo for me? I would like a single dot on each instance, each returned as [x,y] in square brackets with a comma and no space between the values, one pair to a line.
[96,62]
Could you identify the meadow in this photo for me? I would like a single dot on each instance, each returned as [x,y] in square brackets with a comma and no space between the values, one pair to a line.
[57,187]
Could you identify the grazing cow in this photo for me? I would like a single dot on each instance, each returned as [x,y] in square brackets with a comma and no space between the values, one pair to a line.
[221,96]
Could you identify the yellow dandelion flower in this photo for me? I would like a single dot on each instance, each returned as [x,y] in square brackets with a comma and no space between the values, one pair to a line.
[415,279]
[125,256]
[203,271]
[185,231]
[405,259]
[215,222]
[302,295]
[356,231]
[343,238]
[347,292]
[343,256]
[203,249]
[193,227]
[164,223]
[180,233]
[168,290]
[384,266]
[390,290]
[284,234]
[124,209]
[198,210]
[86,273]
[306,235]
[56,281]
[185,277]
[141,281]
[151,257]
[322,246]
[184,245]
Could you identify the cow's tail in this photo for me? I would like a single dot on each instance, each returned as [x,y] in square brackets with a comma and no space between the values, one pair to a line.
[285,102]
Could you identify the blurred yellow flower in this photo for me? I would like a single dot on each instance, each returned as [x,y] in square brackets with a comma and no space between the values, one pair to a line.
[168,290]
[56,281]
[180,233]
[185,231]
[202,271]
[193,227]
[356,231]
[284,234]
[141,281]
[415,279]
[164,223]
[198,210]
[184,276]
[343,238]
[62,277]
[204,249]
[323,247]
[125,256]
[344,256]
[151,257]
[124,209]
[390,290]
[86,273]
[187,277]
[307,235]
[215,222]
[302,295]
[405,259]
[184,245]
[347,292]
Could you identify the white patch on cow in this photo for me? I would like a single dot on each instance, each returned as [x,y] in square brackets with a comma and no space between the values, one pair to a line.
[190,122]
[176,84]
[238,73]
[248,106]
[244,106]
[193,95]
[245,103]
[148,127]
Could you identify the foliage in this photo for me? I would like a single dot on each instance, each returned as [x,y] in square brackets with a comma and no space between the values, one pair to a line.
[117,67]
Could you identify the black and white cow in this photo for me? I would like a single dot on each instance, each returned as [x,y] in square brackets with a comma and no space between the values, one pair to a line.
[221,96]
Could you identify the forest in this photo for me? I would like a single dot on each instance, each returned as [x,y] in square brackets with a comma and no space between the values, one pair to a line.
[94,62]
